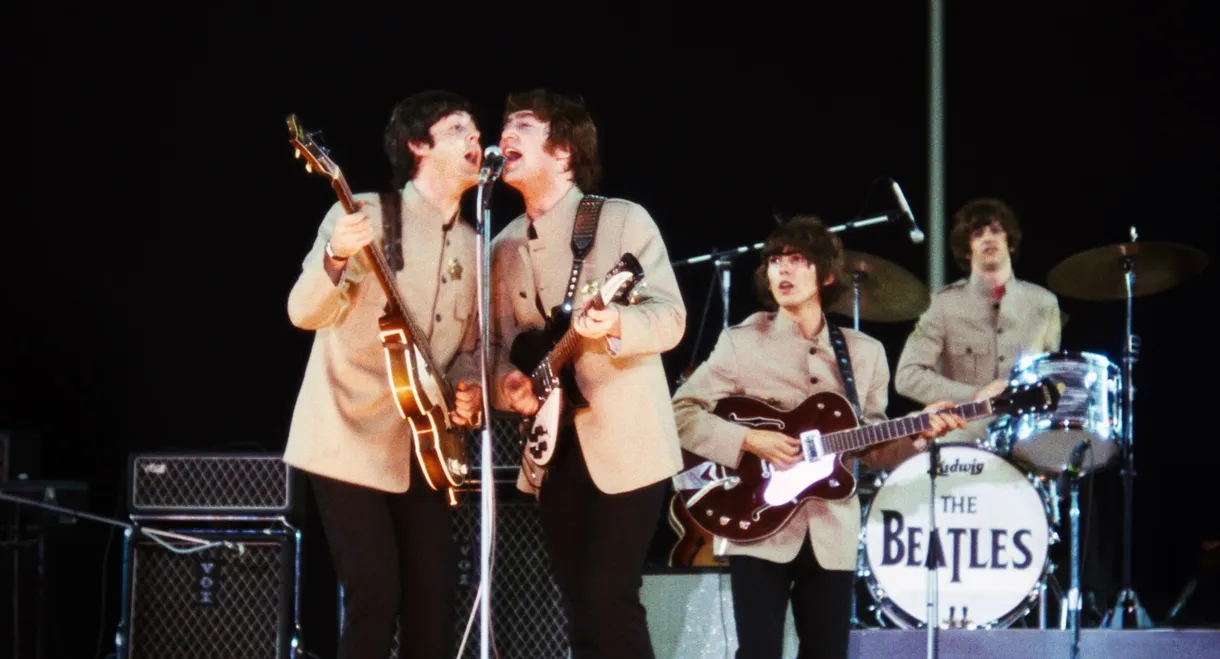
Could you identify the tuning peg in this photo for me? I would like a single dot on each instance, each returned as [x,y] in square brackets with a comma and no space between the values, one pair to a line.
[308,168]
[296,153]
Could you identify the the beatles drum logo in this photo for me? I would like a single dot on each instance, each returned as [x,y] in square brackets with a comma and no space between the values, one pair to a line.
[989,547]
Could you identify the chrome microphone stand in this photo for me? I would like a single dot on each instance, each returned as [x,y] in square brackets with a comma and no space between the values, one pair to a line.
[1074,597]
[492,168]
[933,622]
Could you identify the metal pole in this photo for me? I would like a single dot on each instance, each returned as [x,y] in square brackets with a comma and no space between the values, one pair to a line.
[936,147]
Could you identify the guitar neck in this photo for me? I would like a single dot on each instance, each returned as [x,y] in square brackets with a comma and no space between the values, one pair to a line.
[863,437]
[561,353]
[564,349]
[385,277]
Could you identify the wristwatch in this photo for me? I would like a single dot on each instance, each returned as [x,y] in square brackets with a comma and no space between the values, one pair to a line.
[332,255]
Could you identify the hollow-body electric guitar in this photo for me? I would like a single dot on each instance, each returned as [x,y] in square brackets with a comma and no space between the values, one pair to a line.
[756,500]
[423,396]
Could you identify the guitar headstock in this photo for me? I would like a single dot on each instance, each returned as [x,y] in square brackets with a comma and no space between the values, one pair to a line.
[622,283]
[1040,396]
[316,159]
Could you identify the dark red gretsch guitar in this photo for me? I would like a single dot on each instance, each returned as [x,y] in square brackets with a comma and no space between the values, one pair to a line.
[756,500]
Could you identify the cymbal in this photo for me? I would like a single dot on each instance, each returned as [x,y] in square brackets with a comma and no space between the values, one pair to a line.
[888,292]
[1098,274]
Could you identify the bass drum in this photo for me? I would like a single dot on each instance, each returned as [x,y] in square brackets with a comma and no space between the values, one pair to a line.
[994,534]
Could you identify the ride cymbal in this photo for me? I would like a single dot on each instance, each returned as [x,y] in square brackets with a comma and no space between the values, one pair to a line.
[1100,273]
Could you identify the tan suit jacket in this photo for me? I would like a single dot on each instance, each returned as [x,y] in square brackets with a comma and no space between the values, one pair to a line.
[766,356]
[963,341]
[345,424]
[627,432]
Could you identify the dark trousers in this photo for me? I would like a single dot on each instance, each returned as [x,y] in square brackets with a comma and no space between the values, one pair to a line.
[598,544]
[395,557]
[821,606]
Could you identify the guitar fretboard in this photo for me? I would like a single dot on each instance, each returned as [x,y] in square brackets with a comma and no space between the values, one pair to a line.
[558,356]
[858,438]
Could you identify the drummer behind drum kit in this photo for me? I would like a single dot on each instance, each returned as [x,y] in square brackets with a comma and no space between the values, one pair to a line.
[997,501]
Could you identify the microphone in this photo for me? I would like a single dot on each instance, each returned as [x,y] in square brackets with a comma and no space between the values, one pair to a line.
[916,234]
[493,165]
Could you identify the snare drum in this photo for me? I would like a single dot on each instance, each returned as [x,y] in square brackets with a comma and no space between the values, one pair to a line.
[994,531]
[1089,394]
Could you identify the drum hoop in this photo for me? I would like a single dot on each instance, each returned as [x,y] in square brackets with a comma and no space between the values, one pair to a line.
[900,617]
[1092,358]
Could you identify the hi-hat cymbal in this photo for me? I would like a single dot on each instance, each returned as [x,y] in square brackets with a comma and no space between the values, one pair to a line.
[1100,274]
[888,292]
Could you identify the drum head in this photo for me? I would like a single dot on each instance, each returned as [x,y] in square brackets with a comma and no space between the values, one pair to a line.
[994,533]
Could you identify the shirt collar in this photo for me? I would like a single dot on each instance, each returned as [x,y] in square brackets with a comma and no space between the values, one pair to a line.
[420,210]
[785,325]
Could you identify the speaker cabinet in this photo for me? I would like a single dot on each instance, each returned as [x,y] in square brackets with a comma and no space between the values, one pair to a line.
[233,597]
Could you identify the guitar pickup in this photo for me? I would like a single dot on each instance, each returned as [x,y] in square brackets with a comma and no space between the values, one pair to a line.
[811,445]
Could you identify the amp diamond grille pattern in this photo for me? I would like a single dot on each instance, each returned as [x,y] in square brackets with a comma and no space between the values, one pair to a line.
[197,483]
[207,604]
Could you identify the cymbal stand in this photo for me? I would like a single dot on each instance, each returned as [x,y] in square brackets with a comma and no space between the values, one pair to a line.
[1127,608]
[855,464]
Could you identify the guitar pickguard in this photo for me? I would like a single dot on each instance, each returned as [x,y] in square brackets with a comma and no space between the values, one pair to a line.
[544,431]
[431,390]
[785,484]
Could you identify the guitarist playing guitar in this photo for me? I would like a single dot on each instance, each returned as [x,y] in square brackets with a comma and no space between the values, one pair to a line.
[608,464]
[383,290]
[784,357]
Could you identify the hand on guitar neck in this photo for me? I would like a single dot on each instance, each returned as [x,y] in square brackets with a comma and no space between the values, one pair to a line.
[352,232]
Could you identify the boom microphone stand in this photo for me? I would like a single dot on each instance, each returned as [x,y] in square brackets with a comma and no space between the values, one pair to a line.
[1074,597]
[933,622]
[723,260]
[493,166]
[1127,607]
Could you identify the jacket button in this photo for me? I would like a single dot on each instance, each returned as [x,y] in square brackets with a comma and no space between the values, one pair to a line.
[999,330]
[969,350]
[813,380]
[813,351]
[438,318]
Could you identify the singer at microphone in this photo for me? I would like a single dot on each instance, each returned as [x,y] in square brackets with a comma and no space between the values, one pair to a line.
[375,479]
